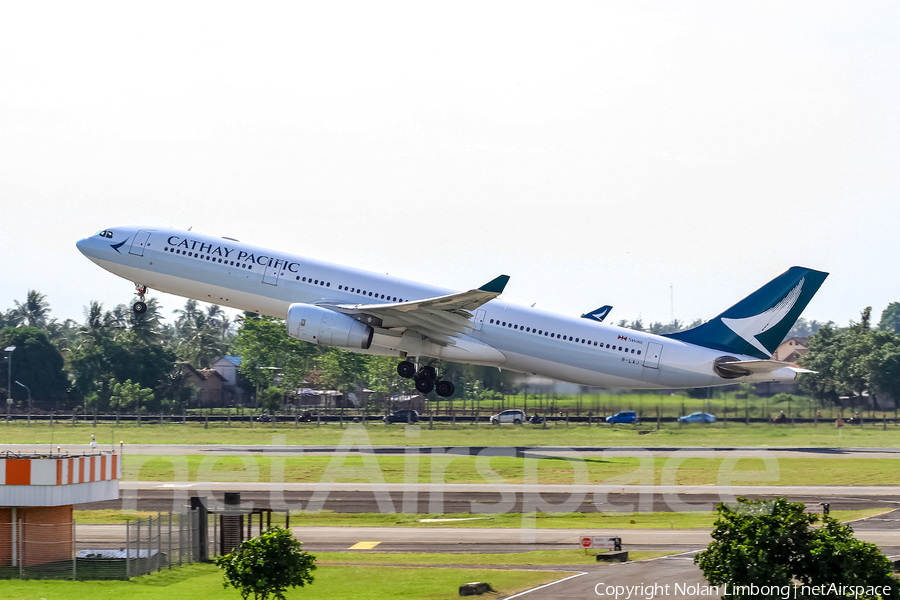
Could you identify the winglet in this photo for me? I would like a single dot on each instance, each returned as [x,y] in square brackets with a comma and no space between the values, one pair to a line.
[495,285]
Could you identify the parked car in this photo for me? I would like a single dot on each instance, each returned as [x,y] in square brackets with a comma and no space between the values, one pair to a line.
[625,416]
[698,417]
[509,416]
[402,416]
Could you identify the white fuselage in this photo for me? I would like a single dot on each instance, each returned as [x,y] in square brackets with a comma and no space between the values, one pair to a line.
[518,338]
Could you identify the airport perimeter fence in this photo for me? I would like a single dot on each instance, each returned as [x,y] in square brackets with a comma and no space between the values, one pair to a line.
[114,551]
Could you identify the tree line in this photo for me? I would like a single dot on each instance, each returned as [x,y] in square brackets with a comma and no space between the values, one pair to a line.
[856,360]
[121,360]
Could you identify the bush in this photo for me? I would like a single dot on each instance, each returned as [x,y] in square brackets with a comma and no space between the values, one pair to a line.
[773,543]
[268,564]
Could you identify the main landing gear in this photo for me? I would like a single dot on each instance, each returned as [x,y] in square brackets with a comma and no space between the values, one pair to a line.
[426,379]
[140,307]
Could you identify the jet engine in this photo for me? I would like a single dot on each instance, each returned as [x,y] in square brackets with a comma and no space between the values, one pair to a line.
[327,328]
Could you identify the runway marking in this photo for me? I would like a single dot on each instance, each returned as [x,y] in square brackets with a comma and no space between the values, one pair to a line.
[176,485]
[363,545]
[540,587]
[443,520]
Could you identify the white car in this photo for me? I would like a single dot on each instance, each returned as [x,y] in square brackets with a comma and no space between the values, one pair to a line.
[509,416]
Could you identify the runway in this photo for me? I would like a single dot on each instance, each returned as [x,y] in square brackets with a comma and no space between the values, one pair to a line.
[468,498]
[436,498]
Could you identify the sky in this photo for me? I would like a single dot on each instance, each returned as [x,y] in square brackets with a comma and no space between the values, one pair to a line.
[664,158]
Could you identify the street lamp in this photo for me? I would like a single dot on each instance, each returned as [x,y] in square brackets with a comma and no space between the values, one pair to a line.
[29,394]
[9,401]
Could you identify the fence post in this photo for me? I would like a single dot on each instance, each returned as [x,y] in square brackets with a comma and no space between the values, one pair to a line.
[158,541]
[169,556]
[190,536]
[137,543]
[127,548]
[74,552]
[21,548]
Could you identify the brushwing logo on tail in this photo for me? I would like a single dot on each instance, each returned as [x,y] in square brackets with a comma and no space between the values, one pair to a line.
[750,327]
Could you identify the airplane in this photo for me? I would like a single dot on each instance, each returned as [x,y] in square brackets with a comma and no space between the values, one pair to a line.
[371,313]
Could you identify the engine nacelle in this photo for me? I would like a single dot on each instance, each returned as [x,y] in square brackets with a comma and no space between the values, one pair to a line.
[327,328]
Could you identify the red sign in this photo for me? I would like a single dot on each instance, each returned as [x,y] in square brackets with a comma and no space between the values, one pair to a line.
[586,542]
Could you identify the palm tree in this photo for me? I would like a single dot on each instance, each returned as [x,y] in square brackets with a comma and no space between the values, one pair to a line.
[34,312]
[187,317]
[203,345]
[98,324]
[147,325]
[62,335]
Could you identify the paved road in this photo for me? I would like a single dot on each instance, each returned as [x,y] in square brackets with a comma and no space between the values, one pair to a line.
[684,580]
[155,496]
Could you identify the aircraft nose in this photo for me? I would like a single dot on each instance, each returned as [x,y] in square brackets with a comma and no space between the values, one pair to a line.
[84,246]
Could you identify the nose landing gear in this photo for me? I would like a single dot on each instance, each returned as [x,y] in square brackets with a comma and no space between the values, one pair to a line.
[426,379]
[140,307]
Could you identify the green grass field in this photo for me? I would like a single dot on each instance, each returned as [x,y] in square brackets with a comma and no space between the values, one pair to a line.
[331,582]
[465,469]
[871,434]
[541,557]
[594,520]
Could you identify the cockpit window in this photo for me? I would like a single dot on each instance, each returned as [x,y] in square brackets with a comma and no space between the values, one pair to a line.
[105,233]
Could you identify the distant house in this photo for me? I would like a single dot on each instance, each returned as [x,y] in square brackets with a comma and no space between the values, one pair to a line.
[208,383]
[791,350]
[229,368]
[217,386]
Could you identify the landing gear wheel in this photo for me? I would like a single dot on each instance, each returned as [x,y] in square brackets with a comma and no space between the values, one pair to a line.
[424,385]
[428,373]
[140,307]
[444,389]
[406,369]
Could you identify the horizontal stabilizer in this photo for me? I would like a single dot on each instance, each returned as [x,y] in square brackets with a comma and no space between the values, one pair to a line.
[748,367]
[743,368]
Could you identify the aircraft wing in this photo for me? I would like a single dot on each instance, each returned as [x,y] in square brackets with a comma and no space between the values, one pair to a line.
[441,319]
[749,367]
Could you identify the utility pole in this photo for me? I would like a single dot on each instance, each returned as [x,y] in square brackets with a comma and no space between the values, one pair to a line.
[9,400]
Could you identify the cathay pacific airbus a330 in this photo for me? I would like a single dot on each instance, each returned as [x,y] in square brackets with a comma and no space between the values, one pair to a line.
[365,312]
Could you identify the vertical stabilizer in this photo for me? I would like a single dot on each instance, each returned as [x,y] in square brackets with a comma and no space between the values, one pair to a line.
[758,323]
